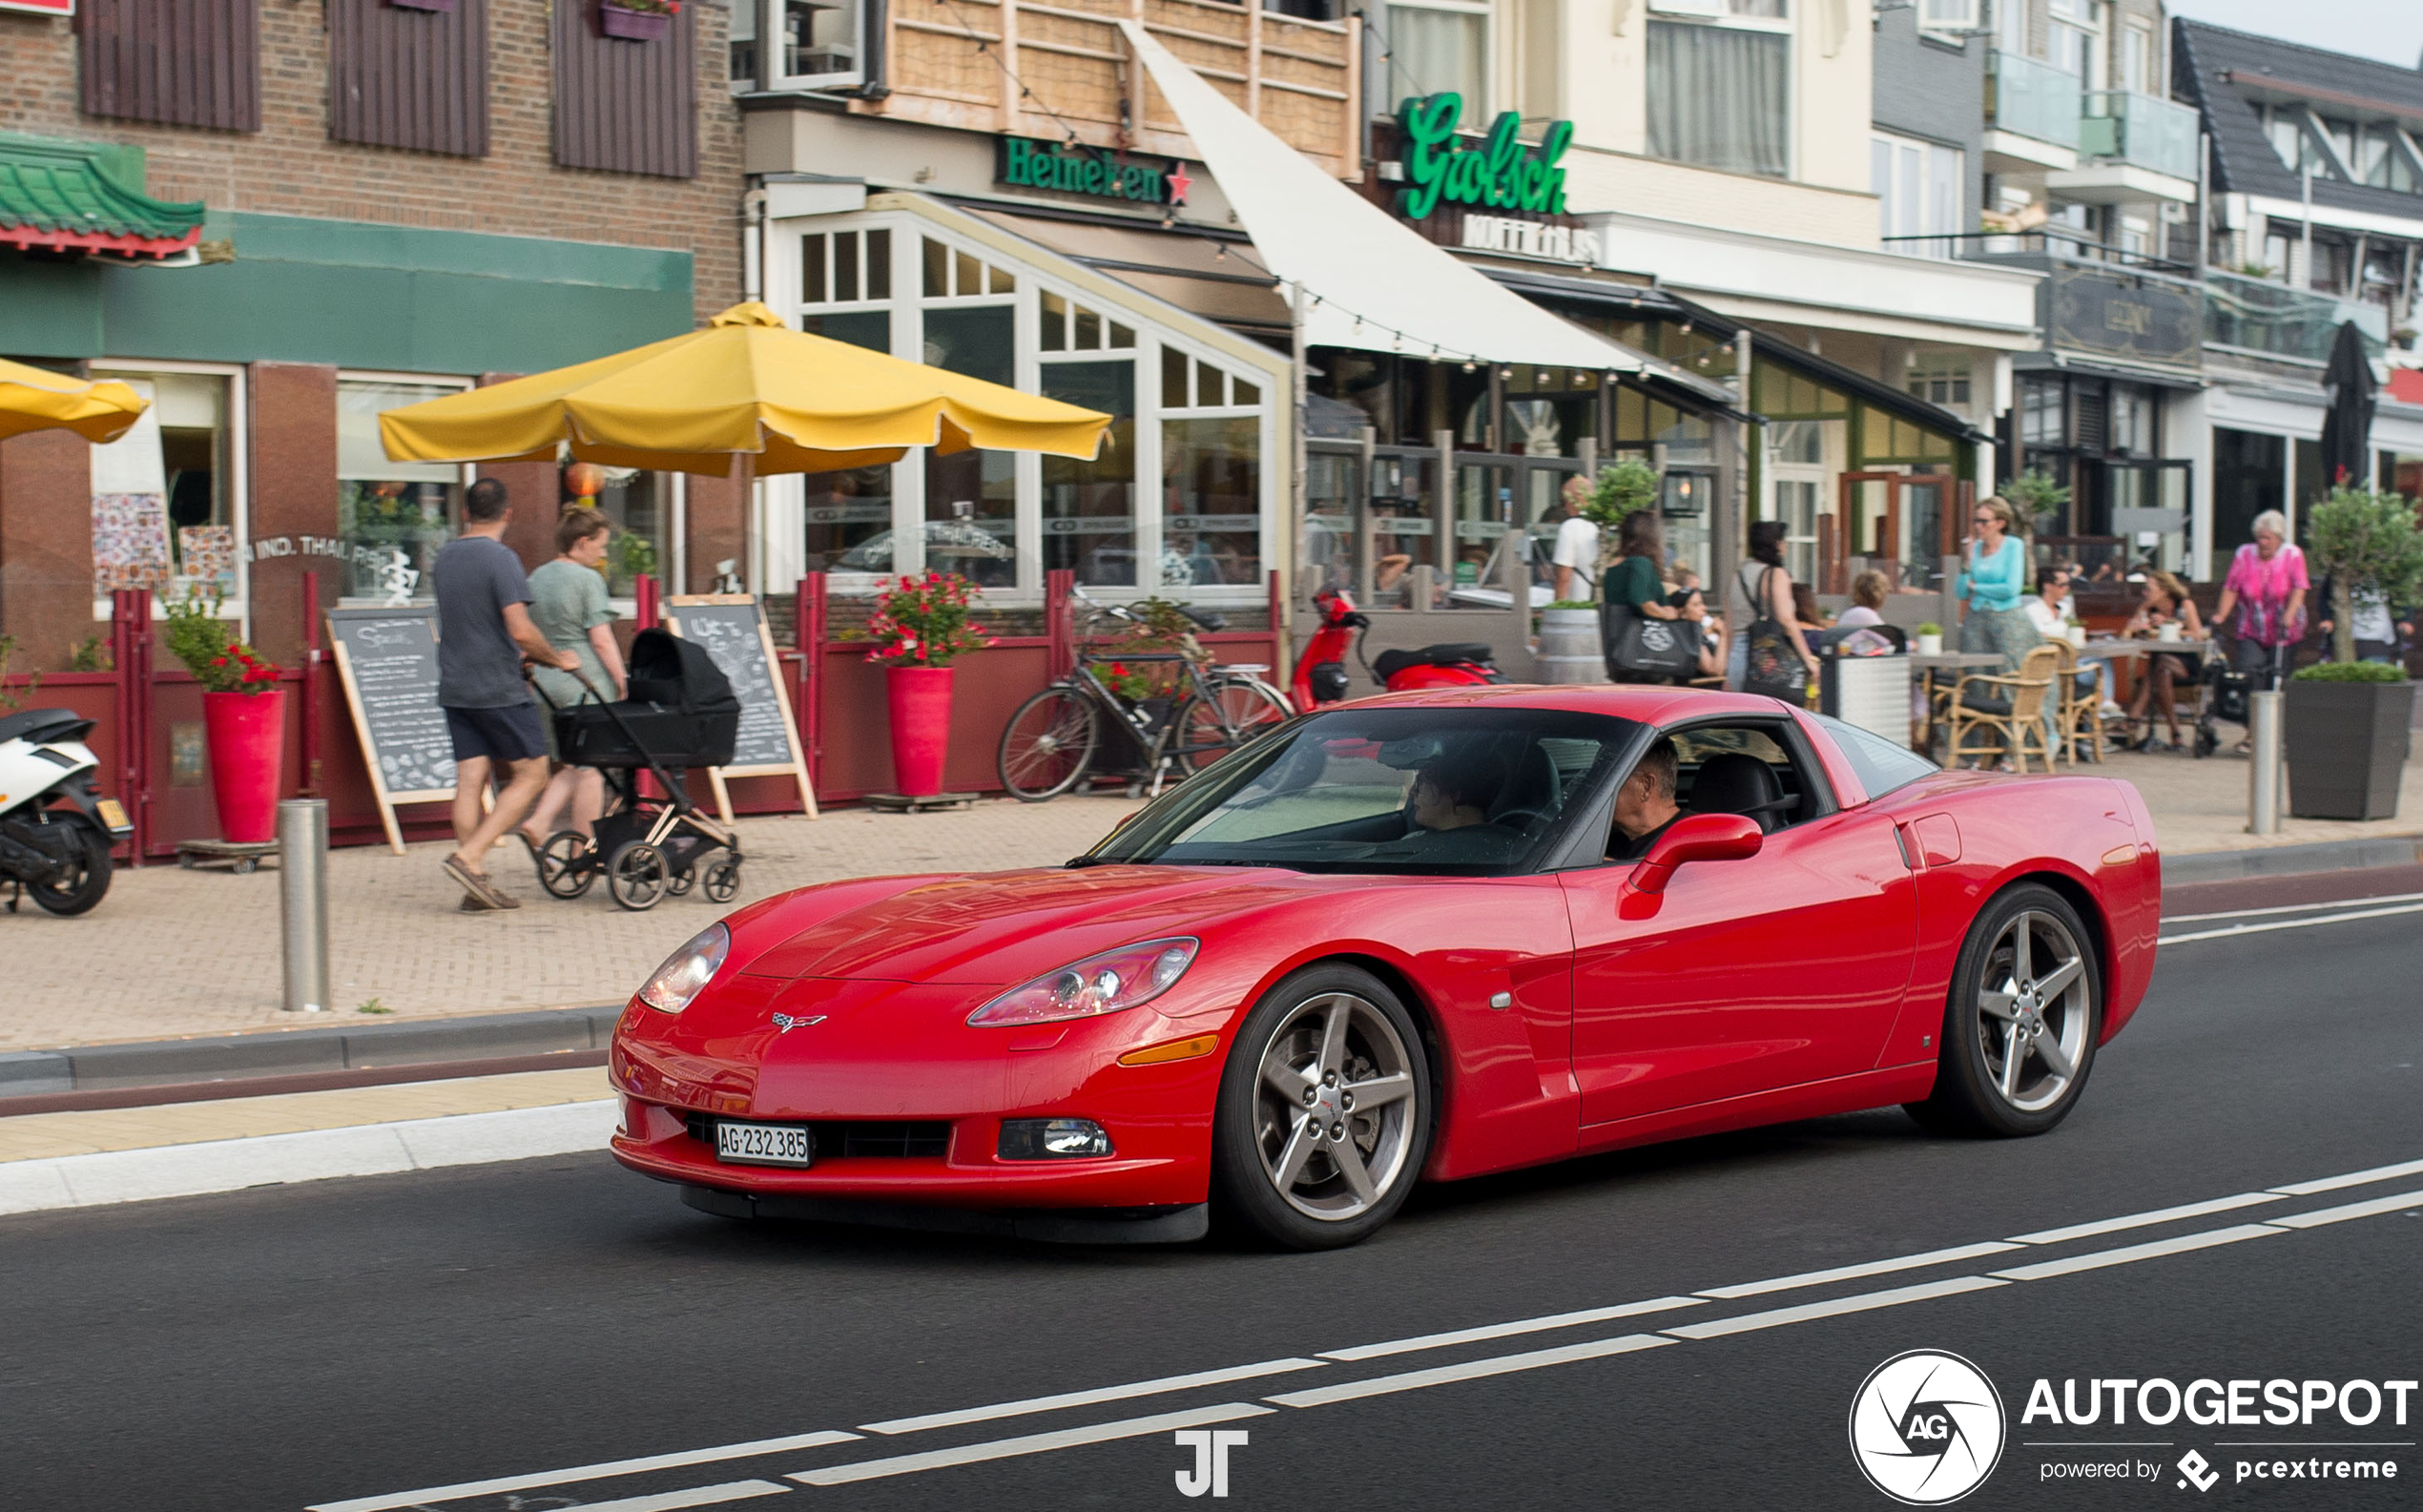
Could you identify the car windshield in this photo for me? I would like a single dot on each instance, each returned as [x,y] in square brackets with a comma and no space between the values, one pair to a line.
[1450,792]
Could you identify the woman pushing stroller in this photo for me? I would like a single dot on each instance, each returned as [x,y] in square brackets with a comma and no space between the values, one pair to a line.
[569,605]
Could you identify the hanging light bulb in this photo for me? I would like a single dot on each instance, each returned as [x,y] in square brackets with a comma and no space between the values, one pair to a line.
[1468,366]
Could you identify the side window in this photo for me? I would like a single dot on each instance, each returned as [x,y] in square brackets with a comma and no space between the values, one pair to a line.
[1741,769]
[1881,765]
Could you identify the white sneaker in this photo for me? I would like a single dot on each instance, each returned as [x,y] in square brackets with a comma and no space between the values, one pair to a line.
[2111,710]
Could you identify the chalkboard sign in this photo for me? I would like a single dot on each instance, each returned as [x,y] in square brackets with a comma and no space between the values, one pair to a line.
[388,660]
[733,630]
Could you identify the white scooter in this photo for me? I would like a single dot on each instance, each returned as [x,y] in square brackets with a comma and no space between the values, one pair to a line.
[56,828]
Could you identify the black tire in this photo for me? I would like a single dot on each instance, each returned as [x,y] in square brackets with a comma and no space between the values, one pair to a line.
[2051,1027]
[1048,745]
[722,881]
[567,865]
[1240,711]
[87,879]
[637,876]
[1322,1208]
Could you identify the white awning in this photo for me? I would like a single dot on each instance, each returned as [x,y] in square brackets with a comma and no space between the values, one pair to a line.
[1370,281]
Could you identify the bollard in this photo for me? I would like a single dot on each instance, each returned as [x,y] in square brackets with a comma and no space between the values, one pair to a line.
[2263,773]
[302,890]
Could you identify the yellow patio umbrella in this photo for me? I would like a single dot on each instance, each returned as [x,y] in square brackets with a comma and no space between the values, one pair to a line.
[37,399]
[747,386]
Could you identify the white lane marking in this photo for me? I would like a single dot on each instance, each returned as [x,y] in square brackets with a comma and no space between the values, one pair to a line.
[1853,1272]
[1524,1325]
[2353,1209]
[1470,1370]
[2145,1220]
[1087,1398]
[697,1496]
[1031,1443]
[2287,924]
[2353,1178]
[587,1472]
[1805,1312]
[2293,908]
[2129,1255]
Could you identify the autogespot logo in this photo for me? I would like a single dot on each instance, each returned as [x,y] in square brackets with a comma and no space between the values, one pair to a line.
[1926,1427]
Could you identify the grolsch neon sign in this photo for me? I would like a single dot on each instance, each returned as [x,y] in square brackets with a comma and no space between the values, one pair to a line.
[1496,172]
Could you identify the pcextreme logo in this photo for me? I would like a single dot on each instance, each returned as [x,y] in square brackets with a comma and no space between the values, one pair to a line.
[1926,1427]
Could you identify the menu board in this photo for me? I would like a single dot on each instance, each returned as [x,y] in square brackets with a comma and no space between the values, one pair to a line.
[388,661]
[733,630]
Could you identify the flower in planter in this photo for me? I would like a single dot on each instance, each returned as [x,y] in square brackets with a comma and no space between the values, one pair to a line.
[1132,686]
[922,621]
[208,646]
[653,8]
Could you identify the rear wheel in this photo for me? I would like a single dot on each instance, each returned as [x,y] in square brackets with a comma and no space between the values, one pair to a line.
[2019,1031]
[1048,745]
[85,879]
[1238,710]
[637,876]
[1325,1110]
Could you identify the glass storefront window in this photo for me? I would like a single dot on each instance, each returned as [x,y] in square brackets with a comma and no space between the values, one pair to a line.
[849,518]
[1089,507]
[164,516]
[981,342]
[1550,410]
[392,516]
[1346,391]
[1212,500]
[971,516]
[1329,521]
[640,504]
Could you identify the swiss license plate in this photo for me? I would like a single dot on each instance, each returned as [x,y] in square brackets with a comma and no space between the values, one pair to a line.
[113,813]
[764,1145]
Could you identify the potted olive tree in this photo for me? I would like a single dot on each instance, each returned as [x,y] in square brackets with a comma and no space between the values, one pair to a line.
[2348,720]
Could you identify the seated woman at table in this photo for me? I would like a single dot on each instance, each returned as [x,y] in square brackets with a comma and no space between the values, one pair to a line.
[2166,602]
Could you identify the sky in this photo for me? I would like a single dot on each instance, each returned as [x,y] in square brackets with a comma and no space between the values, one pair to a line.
[2385,31]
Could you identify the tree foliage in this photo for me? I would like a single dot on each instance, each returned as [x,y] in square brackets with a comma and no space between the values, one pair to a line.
[2362,539]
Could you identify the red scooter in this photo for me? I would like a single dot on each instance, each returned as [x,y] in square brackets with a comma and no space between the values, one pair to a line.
[1321,673]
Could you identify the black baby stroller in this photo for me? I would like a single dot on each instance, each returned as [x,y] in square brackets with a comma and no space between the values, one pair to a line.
[2226,691]
[681,714]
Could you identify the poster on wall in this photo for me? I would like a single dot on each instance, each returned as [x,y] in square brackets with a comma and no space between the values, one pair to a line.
[206,557]
[129,507]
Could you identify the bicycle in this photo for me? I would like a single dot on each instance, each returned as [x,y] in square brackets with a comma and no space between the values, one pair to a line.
[1052,742]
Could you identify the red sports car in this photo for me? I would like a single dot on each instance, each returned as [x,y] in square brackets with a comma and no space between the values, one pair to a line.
[1426,935]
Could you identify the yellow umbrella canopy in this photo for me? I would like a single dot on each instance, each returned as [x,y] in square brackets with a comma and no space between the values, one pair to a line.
[747,385]
[37,399]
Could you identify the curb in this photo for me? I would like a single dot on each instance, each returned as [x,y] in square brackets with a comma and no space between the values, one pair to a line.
[2286,860]
[364,1149]
[288,1052]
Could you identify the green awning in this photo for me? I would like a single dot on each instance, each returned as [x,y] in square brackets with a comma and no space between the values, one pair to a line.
[85,197]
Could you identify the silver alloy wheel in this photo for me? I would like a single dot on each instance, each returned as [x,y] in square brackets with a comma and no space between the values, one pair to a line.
[2034,1012]
[1334,1108]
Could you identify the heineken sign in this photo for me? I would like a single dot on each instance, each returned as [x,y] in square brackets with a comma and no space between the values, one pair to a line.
[1028,163]
[1496,172]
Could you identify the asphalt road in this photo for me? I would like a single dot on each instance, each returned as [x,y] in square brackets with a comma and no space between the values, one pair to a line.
[309,1346]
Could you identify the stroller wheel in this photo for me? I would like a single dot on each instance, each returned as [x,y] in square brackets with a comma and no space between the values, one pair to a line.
[723,881]
[2207,741]
[679,886]
[567,865]
[636,875]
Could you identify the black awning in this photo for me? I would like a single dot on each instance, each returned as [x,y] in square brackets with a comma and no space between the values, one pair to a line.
[1833,375]
[1632,302]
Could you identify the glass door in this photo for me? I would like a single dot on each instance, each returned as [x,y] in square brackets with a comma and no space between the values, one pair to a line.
[1402,521]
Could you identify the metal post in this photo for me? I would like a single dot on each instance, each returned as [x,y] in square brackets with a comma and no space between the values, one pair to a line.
[2263,780]
[302,891]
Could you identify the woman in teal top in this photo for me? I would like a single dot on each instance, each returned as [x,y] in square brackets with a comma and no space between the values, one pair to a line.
[1992,582]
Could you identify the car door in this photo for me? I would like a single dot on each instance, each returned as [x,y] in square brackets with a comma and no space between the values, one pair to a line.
[1742,975]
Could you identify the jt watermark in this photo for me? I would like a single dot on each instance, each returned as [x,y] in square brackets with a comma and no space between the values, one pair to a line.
[1210,1471]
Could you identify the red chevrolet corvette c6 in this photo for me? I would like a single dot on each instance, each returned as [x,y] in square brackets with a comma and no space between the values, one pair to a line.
[1422,937]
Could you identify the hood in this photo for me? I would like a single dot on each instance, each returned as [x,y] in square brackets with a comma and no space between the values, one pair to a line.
[1007,928]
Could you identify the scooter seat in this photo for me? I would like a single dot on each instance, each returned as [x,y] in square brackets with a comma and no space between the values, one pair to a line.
[42,725]
[1450,654]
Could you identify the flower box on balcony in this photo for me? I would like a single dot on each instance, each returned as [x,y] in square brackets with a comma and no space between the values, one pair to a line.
[423,5]
[633,24]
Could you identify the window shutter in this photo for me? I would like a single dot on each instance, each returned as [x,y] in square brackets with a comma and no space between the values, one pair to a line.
[623,106]
[181,62]
[401,77]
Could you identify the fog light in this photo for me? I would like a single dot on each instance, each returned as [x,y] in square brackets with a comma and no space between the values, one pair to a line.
[1052,1139]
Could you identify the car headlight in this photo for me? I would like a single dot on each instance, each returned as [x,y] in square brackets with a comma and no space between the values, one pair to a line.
[687,971]
[1104,983]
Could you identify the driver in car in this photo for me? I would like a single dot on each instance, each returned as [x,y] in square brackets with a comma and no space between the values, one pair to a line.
[1449,806]
[1645,806]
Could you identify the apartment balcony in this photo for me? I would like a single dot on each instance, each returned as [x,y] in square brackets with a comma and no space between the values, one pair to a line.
[2032,116]
[2254,318]
[2131,148]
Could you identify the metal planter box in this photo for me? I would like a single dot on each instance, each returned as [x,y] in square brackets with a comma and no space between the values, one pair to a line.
[2347,748]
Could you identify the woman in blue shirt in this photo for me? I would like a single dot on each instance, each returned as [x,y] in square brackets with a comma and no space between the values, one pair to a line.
[1992,582]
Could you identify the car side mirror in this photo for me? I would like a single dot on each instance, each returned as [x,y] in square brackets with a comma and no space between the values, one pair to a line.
[1696,837]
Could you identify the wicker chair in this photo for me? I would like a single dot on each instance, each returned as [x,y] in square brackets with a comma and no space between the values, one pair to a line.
[2080,720]
[2009,708]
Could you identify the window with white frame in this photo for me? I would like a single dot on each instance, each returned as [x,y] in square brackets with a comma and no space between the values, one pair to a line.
[740,47]
[1720,86]
[1088,358]
[2139,60]
[168,510]
[1210,473]
[2385,159]
[970,318]
[2076,40]
[1917,189]
[2010,27]
[813,44]
[1941,378]
[1948,15]
[392,517]
[1440,46]
[1796,474]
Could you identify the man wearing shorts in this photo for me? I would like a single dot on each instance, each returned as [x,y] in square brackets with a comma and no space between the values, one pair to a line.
[484,632]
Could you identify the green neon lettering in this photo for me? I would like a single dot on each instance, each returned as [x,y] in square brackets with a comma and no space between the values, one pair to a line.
[1498,171]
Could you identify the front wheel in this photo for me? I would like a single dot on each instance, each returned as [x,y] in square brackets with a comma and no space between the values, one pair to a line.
[1325,1110]
[1239,708]
[1048,745]
[2019,1031]
[637,875]
[85,879]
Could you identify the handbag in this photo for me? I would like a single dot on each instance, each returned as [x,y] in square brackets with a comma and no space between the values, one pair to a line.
[1637,646]
[1772,666]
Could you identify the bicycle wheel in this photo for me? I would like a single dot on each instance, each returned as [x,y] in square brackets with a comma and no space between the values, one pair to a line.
[1048,745]
[1239,708]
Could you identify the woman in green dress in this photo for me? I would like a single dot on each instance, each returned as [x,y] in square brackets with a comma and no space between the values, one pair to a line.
[1636,578]
[568,604]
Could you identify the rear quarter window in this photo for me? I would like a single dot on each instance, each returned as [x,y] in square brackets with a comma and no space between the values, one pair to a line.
[1880,765]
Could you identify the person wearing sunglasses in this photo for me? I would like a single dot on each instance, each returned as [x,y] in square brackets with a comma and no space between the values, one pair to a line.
[1991,580]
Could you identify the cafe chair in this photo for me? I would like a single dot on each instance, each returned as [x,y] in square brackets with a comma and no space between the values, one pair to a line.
[2005,715]
[2079,719]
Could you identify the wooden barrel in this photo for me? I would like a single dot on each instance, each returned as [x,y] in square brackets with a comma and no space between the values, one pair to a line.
[1569,648]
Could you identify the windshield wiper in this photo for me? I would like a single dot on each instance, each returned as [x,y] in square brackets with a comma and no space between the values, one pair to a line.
[1078,863]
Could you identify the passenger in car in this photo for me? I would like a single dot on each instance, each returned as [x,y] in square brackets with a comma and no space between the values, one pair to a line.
[1450,804]
[1645,806]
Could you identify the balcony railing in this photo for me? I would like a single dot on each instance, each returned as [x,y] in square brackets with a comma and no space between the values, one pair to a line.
[2262,318]
[2139,130]
[2035,99]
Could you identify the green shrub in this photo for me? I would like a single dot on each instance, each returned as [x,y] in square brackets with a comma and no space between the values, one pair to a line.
[2351,671]
[1930,627]
[2362,539]
[1573,603]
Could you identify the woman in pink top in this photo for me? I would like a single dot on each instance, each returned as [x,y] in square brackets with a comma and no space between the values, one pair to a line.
[2266,593]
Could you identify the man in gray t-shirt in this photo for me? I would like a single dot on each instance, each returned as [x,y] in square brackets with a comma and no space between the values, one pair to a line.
[484,632]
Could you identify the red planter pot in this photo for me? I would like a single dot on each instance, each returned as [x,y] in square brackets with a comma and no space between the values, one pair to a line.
[247,735]
[921,699]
